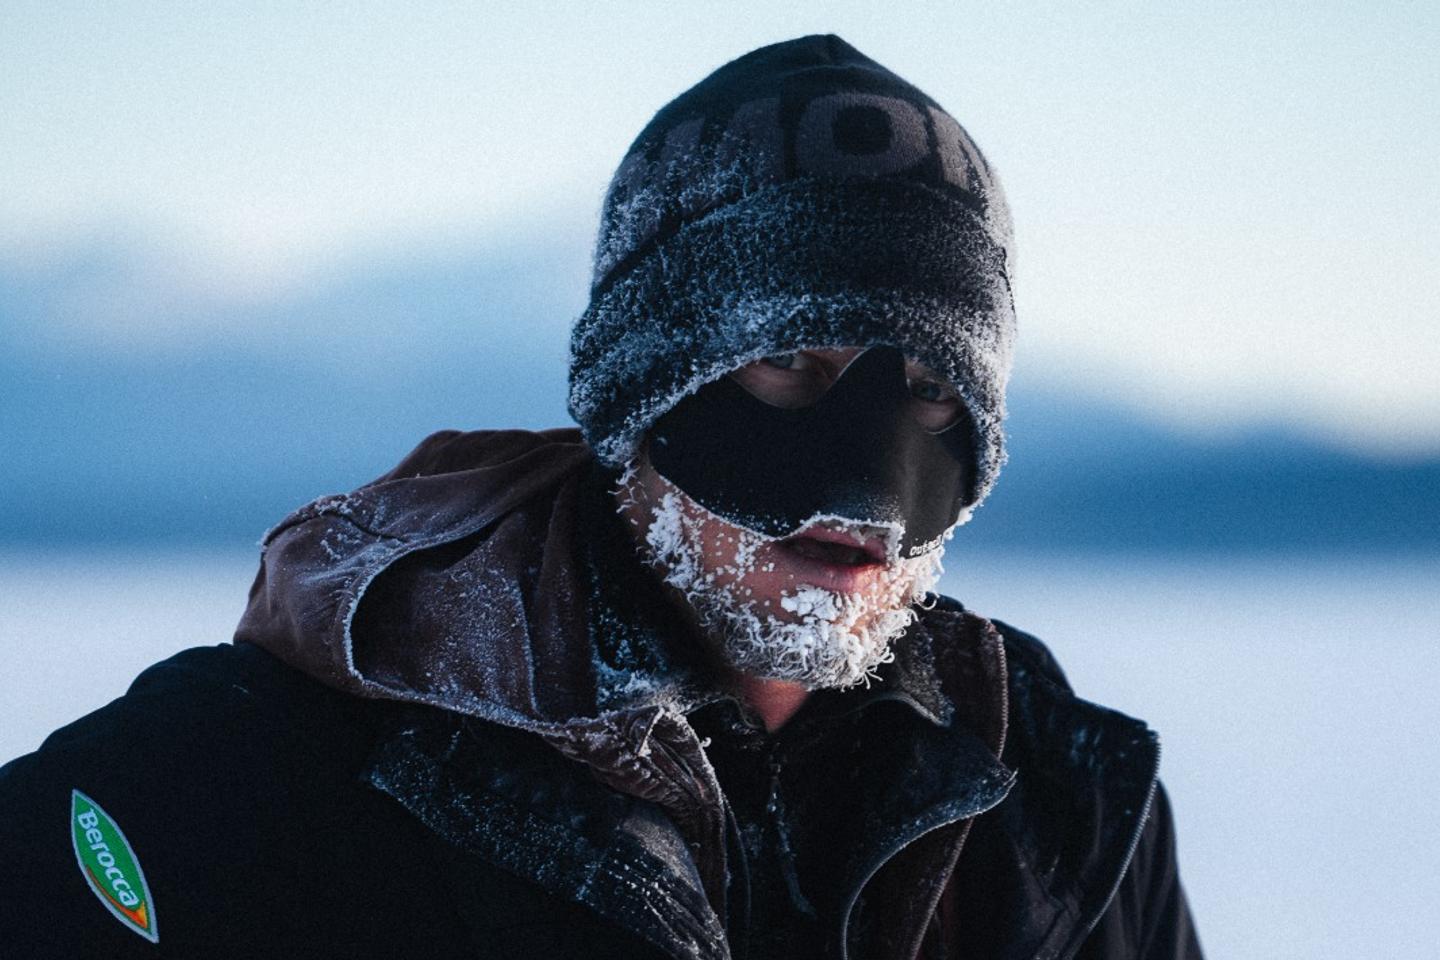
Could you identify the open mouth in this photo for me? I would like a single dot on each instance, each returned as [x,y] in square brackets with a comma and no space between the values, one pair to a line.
[835,548]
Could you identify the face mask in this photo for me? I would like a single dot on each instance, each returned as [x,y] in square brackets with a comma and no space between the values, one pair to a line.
[857,453]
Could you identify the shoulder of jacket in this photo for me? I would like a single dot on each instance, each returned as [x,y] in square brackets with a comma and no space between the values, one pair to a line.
[222,687]
[225,770]
[1024,649]
[1033,654]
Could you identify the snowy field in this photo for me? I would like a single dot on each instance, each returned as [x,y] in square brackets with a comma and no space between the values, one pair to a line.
[1295,698]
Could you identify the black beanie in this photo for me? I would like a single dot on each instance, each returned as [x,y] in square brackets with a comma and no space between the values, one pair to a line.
[800,196]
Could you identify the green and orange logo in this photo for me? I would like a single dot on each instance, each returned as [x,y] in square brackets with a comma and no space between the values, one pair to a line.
[110,866]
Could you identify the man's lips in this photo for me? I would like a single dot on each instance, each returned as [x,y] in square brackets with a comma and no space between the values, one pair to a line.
[836,547]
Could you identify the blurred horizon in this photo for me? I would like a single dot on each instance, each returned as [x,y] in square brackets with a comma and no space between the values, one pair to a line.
[209,432]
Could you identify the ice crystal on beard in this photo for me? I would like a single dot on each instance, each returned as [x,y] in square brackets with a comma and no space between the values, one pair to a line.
[834,639]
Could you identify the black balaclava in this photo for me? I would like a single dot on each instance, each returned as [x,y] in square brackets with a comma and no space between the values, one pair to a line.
[857,453]
[800,196]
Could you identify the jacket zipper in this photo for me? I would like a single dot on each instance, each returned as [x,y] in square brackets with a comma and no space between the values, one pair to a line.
[1134,845]
[779,821]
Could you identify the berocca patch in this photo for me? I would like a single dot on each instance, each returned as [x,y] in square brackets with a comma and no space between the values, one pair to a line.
[110,866]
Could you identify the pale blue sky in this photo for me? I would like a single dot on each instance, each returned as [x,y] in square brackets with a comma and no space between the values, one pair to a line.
[1225,212]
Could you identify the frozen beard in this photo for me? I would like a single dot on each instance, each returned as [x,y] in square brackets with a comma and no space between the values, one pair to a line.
[819,638]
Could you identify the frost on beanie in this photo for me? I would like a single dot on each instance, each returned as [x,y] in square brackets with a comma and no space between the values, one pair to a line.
[800,196]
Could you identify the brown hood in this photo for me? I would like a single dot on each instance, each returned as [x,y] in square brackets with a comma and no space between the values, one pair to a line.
[454,580]
[470,540]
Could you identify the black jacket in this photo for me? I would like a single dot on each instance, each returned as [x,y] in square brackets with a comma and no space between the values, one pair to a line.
[276,814]
[261,806]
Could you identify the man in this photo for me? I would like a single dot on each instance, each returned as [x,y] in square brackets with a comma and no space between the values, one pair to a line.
[675,685]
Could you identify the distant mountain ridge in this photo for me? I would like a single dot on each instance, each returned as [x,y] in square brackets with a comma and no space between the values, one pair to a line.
[316,393]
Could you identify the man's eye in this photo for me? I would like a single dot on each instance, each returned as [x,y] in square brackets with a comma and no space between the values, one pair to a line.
[932,391]
[782,361]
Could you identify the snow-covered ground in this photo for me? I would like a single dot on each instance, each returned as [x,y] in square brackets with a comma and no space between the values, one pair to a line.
[1294,698]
